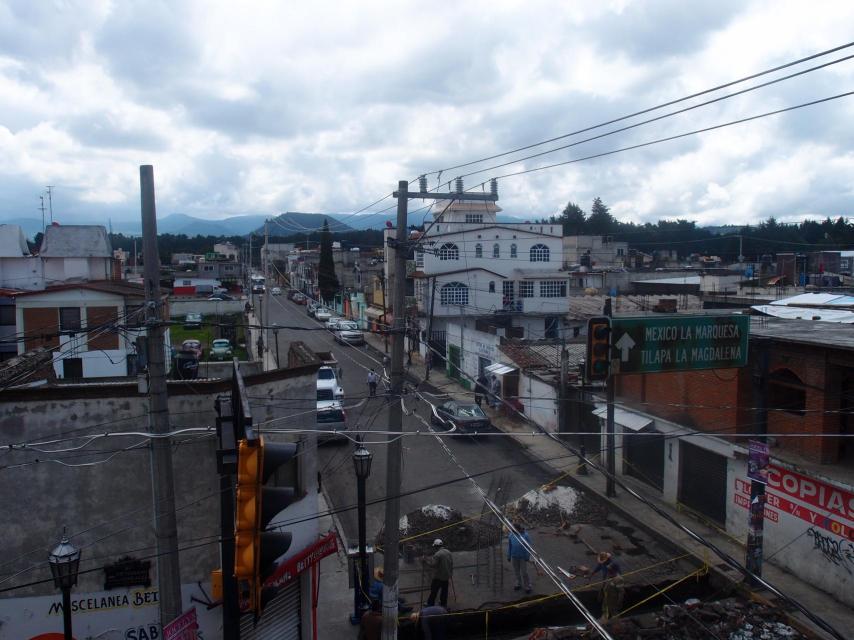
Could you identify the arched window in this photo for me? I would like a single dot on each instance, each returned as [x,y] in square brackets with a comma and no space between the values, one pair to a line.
[454,293]
[496,250]
[478,250]
[786,392]
[512,250]
[539,253]
[449,251]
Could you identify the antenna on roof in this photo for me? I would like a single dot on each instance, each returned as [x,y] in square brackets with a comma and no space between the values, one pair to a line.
[50,201]
[42,210]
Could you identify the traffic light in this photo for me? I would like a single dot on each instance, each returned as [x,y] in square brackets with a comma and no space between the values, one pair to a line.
[598,348]
[255,549]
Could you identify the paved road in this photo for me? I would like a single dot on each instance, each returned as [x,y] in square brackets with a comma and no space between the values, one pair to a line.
[424,460]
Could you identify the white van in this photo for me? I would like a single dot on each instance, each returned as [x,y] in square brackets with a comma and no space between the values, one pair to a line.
[327,385]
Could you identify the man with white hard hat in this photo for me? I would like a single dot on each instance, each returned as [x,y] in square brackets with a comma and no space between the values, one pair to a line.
[442,563]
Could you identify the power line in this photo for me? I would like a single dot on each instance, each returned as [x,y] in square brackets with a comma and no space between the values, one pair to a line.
[649,109]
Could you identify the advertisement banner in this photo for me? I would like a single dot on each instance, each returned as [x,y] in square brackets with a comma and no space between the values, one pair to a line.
[314,553]
[118,614]
[757,461]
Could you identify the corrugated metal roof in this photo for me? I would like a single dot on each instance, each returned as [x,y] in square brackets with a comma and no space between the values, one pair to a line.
[806,313]
[76,241]
[816,299]
[680,280]
[627,419]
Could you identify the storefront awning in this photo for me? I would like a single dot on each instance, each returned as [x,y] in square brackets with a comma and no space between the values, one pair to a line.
[627,419]
[499,369]
[373,312]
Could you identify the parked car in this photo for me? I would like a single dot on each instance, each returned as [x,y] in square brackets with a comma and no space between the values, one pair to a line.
[220,349]
[311,307]
[192,346]
[331,417]
[322,315]
[193,321]
[276,291]
[292,293]
[348,332]
[221,297]
[332,323]
[467,418]
[299,298]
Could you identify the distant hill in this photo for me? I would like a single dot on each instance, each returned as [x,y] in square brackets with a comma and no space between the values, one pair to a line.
[179,223]
[293,222]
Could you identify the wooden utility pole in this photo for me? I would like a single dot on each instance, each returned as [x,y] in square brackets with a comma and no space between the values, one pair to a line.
[162,478]
[397,273]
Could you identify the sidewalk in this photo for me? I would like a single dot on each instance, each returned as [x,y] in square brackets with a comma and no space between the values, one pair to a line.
[269,360]
[837,615]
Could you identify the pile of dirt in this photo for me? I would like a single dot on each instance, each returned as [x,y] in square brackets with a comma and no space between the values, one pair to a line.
[420,527]
[692,620]
[556,505]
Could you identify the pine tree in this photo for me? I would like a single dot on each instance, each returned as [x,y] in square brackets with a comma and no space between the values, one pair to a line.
[327,280]
[600,222]
[573,219]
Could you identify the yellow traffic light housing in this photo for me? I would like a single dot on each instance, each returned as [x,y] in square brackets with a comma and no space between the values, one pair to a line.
[598,348]
[255,549]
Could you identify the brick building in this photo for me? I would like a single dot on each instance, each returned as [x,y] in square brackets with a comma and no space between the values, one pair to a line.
[675,440]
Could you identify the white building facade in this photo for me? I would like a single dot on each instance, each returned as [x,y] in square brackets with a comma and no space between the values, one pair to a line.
[478,280]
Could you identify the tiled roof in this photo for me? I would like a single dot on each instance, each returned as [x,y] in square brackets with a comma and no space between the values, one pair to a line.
[118,287]
[76,241]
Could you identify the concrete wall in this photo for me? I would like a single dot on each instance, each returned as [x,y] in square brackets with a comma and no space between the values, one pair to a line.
[180,306]
[22,273]
[211,369]
[539,400]
[108,504]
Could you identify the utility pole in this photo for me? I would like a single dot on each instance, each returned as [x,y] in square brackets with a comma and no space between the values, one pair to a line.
[430,328]
[562,412]
[163,486]
[266,263]
[385,311]
[42,210]
[50,201]
[756,508]
[610,486]
[391,548]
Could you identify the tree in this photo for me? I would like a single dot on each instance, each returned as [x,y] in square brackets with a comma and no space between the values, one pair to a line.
[327,280]
[600,222]
[573,219]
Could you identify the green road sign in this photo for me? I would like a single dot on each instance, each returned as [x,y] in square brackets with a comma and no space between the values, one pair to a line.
[679,343]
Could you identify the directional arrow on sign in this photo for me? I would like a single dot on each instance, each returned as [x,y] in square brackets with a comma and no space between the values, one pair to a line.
[624,344]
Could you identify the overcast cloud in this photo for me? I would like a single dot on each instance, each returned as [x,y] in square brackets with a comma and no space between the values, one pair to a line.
[264,107]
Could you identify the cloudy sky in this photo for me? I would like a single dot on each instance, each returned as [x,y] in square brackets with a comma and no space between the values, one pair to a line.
[262,107]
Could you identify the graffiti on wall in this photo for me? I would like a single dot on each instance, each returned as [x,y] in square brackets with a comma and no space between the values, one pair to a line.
[840,553]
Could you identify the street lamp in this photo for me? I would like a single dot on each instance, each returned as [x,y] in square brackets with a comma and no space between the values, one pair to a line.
[362,464]
[276,336]
[64,564]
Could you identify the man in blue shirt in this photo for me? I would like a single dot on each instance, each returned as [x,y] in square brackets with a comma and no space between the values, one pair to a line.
[519,555]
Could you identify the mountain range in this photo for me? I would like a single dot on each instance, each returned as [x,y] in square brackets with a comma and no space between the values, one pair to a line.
[288,223]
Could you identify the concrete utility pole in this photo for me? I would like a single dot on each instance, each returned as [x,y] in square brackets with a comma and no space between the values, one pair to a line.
[266,258]
[162,480]
[397,274]
[610,485]
[562,412]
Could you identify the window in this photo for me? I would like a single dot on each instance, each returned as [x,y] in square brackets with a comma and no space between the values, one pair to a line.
[507,290]
[186,283]
[419,259]
[492,286]
[474,218]
[552,288]
[7,315]
[208,267]
[496,251]
[512,250]
[69,318]
[786,392]
[454,293]
[449,251]
[72,367]
[620,251]
[478,250]
[539,253]
[526,289]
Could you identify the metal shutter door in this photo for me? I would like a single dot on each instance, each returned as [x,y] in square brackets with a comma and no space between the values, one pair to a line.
[644,457]
[280,620]
[703,486]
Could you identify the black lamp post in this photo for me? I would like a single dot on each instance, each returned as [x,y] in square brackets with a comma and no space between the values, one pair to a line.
[276,336]
[362,463]
[64,565]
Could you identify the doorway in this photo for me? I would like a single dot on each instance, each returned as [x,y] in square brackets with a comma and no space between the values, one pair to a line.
[454,362]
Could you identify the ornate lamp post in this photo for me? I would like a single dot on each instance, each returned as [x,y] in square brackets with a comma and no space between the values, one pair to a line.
[362,463]
[64,565]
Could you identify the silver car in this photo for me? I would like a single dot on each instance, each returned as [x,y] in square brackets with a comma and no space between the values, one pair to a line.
[348,332]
